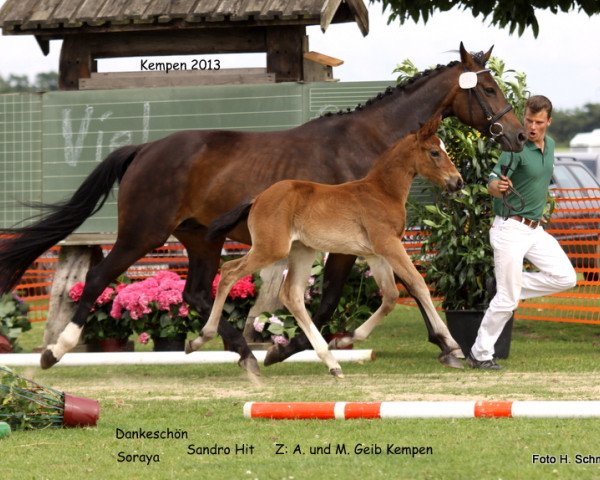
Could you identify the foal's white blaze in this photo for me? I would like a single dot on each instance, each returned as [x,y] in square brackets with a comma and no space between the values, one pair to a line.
[443,147]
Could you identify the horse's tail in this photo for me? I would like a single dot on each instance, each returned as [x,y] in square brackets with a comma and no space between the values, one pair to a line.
[226,222]
[22,245]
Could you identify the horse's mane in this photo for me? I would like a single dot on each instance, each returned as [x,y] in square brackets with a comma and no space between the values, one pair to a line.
[405,85]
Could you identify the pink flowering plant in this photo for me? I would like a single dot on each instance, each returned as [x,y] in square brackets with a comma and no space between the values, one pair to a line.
[100,324]
[154,307]
[240,299]
[278,327]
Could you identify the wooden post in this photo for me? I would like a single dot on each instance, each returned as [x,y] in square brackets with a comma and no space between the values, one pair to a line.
[75,62]
[285,47]
[73,265]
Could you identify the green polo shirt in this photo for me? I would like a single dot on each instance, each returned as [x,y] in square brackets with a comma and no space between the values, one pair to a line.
[530,172]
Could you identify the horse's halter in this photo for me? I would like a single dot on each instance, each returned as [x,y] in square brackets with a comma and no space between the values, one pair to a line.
[468,81]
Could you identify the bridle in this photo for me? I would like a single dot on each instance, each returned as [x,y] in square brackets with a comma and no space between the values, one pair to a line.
[468,81]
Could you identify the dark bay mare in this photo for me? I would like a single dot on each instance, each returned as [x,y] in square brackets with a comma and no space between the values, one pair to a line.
[179,184]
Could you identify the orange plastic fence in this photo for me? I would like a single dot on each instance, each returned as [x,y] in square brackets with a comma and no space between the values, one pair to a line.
[575,223]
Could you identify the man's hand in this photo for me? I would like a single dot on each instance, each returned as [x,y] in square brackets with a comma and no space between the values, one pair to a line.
[497,188]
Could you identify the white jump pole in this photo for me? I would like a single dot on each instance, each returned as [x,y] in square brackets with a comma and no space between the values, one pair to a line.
[172,358]
[425,409]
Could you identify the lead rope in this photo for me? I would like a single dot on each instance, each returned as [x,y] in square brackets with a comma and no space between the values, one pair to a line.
[504,169]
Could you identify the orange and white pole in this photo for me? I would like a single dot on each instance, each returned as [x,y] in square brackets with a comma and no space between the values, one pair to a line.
[425,409]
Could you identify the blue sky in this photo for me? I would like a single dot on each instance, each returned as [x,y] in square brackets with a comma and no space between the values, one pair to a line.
[561,63]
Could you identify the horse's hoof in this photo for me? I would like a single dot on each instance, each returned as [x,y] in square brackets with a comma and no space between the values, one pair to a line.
[273,356]
[458,353]
[337,372]
[188,347]
[449,360]
[48,359]
[250,364]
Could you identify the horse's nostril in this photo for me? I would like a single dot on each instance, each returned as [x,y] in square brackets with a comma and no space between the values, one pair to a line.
[522,137]
[454,184]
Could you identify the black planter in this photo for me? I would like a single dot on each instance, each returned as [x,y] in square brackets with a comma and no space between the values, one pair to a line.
[169,344]
[464,324]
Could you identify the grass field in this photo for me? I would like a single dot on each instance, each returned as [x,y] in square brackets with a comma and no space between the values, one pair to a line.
[204,405]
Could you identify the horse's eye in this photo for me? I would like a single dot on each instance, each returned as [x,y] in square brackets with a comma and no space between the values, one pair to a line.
[489,90]
[435,153]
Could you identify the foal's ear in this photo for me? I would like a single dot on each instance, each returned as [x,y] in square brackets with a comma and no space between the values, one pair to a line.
[430,128]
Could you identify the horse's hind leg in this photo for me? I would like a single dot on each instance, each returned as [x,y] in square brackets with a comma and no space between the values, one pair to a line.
[204,259]
[121,257]
[384,277]
[292,296]
[337,269]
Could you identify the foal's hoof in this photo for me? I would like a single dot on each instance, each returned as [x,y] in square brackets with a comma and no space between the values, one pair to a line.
[337,372]
[343,342]
[273,355]
[48,359]
[188,347]
[449,360]
[250,364]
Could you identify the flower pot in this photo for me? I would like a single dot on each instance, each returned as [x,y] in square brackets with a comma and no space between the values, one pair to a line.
[5,346]
[110,345]
[80,411]
[464,324]
[330,336]
[169,344]
[116,345]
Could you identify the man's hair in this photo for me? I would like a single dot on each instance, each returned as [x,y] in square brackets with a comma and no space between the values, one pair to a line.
[537,103]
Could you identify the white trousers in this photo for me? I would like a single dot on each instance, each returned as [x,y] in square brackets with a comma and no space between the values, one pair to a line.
[512,242]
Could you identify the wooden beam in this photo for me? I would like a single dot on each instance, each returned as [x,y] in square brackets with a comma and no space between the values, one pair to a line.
[230,76]
[75,62]
[44,44]
[322,59]
[186,42]
[285,47]
[361,15]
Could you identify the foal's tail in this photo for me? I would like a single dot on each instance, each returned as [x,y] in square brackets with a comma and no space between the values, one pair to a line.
[21,246]
[227,222]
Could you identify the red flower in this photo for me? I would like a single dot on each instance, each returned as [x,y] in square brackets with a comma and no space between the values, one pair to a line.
[243,288]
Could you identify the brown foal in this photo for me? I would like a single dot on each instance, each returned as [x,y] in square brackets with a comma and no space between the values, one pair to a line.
[366,218]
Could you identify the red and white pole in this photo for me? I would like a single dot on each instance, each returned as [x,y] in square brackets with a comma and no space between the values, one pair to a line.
[424,409]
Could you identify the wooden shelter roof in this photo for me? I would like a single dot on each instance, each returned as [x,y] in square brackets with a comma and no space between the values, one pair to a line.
[59,18]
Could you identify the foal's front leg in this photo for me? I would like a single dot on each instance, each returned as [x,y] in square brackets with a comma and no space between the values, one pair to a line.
[438,331]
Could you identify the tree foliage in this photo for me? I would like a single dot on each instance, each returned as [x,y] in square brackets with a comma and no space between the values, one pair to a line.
[43,82]
[516,15]
[568,123]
